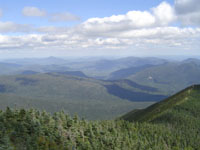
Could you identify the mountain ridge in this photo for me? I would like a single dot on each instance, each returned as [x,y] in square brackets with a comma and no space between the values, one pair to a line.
[154,111]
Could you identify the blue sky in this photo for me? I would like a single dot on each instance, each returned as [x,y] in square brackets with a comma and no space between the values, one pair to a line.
[42,28]
[84,9]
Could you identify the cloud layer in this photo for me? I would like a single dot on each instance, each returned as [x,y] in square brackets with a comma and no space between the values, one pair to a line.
[133,30]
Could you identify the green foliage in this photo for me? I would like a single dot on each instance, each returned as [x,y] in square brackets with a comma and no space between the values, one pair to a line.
[180,113]
[32,130]
[173,124]
[158,109]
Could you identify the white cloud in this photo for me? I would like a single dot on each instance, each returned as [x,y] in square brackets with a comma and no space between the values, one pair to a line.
[139,29]
[163,36]
[164,14]
[33,12]
[140,19]
[62,17]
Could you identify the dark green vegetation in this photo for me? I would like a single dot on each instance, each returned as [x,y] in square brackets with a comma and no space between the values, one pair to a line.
[189,96]
[173,124]
[87,97]
[180,113]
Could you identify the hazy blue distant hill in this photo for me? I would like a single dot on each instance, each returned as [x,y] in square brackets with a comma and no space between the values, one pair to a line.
[194,60]
[40,61]
[7,68]
[124,73]
[169,77]
[91,67]
[13,65]
[103,67]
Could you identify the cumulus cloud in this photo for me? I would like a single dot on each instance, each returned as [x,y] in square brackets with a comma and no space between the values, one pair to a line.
[162,15]
[188,11]
[33,12]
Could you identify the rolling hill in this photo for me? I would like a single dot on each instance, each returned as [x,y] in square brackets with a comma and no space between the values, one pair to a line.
[89,98]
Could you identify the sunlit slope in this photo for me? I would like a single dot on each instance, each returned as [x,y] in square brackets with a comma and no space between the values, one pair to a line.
[183,105]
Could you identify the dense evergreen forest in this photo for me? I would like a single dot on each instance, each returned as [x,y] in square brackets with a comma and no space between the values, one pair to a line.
[175,128]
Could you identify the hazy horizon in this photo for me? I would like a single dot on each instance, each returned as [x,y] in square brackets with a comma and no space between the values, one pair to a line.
[167,57]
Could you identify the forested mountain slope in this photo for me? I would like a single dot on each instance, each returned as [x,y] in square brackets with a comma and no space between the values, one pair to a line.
[172,124]
[183,105]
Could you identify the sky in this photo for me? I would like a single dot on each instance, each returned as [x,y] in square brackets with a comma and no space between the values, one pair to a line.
[77,28]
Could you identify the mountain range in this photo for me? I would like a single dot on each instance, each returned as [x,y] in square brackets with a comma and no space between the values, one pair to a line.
[98,88]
